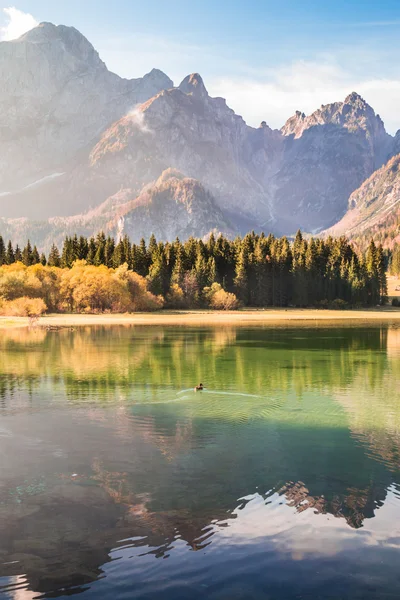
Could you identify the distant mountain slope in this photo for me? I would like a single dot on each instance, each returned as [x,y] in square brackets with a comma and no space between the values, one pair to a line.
[186,129]
[56,97]
[374,208]
[74,136]
[173,206]
[327,156]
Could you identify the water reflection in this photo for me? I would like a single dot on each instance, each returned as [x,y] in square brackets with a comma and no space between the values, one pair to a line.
[291,457]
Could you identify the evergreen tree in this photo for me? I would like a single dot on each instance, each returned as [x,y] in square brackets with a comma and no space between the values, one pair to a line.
[91,253]
[109,251]
[27,255]
[83,248]
[67,254]
[241,279]
[158,274]
[17,254]
[145,258]
[3,258]
[43,260]
[381,272]
[99,257]
[10,256]
[35,256]
[119,257]
[153,246]
[54,259]
[127,251]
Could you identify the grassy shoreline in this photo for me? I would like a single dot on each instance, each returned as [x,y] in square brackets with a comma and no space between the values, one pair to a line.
[246,317]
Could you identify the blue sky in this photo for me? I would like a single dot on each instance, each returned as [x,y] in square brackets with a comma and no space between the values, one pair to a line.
[266,58]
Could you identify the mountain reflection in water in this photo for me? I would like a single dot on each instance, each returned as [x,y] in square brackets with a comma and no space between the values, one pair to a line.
[283,475]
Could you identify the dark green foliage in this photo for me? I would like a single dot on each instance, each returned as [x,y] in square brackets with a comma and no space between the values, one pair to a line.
[10,256]
[35,256]
[54,257]
[3,259]
[260,270]
[27,257]
[18,254]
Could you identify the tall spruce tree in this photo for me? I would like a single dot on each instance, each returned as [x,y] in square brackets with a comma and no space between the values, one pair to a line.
[3,259]
[54,259]
[27,255]
[18,254]
[35,256]
[10,256]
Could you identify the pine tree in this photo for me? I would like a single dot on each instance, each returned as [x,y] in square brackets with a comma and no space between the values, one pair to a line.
[99,257]
[152,248]
[54,259]
[158,274]
[3,259]
[127,251]
[241,279]
[381,269]
[17,254]
[374,283]
[27,255]
[35,256]
[119,258]
[91,253]
[10,256]
[43,260]
[83,248]
[109,251]
[67,255]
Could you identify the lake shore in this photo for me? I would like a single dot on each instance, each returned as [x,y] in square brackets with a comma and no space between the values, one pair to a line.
[246,317]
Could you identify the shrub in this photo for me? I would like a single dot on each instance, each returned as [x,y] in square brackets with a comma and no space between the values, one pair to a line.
[339,304]
[219,299]
[23,307]
[395,302]
[175,297]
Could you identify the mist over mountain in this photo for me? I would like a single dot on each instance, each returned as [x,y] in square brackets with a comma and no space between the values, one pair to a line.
[83,148]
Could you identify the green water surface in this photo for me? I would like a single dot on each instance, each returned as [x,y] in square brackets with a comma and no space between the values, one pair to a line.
[280,480]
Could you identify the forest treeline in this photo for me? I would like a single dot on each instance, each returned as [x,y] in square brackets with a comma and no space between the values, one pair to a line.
[98,274]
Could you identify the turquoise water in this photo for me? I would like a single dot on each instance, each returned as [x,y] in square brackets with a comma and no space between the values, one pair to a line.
[280,480]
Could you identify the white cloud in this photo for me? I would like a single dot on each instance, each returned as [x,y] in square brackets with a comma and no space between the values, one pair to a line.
[18,23]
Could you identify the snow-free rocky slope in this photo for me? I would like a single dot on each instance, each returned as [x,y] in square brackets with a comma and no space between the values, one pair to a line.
[374,208]
[76,137]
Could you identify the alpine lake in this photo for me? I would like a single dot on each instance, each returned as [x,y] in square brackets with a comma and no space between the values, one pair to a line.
[281,480]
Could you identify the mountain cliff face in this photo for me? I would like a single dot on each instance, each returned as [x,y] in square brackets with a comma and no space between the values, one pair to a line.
[374,208]
[56,97]
[327,156]
[186,129]
[76,137]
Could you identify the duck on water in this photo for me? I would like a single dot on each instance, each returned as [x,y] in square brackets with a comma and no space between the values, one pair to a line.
[199,387]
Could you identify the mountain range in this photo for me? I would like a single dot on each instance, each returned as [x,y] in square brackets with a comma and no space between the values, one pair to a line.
[83,150]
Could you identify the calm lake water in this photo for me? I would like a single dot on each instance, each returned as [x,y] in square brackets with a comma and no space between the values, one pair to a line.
[280,481]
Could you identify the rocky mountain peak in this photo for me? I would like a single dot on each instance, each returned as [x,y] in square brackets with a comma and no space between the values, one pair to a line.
[193,84]
[294,125]
[354,114]
[355,98]
[59,39]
